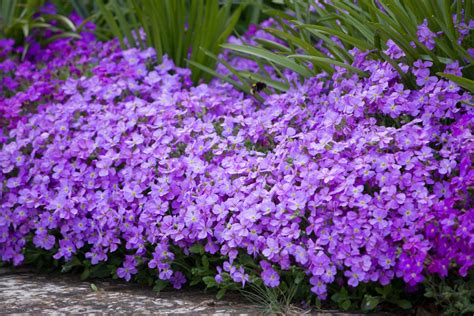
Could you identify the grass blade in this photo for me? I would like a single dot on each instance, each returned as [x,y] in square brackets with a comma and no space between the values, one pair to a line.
[463,82]
[262,53]
[329,61]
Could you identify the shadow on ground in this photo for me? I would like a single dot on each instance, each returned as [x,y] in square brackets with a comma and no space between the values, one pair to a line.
[23,291]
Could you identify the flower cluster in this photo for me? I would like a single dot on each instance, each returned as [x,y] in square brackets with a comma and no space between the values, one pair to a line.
[28,83]
[350,180]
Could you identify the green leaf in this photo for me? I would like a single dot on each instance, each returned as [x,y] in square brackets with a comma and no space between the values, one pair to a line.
[272,45]
[7,9]
[80,8]
[160,285]
[369,303]
[64,20]
[299,277]
[234,83]
[111,23]
[70,264]
[195,281]
[339,34]
[197,249]
[345,305]
[269,56]
[256,8]
[220,294]
[209,281]
[100,271]
[340,296]
[405,304]
[308,47]
[329,61]
[205,263]
[94,287]
[385,291]
[355,18]
[247,260]
[429,293]
[463,82]
[85,274]
[278,13]
[62,35]
[124,24]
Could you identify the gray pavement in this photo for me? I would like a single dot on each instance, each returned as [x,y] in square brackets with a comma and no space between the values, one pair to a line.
[27,293]
[24,292]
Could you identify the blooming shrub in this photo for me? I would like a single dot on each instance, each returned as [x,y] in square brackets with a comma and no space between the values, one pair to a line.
[347,181]
[27,85]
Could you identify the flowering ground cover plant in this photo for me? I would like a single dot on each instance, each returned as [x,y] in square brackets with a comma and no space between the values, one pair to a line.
[309,36]
[127,169]
[28,84]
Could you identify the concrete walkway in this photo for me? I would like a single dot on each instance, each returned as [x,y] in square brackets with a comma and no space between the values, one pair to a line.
[25,292]
[22,291]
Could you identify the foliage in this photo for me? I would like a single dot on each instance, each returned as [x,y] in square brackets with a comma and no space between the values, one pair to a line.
[311,37]
[370,297]
[274,301]
[176,28]
[27,83]
[454,296]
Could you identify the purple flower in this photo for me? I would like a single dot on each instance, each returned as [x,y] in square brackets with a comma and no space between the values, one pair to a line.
[272,248]
[132,192]
[178,279]
[393,51]
[425,35]
[270,277]
[354,276]
[128,268]
[136,140]
[301,255]
[368,179]
[319,287]
[66,249]
[165,272]
[44,241]
[219,278]
[446,165]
